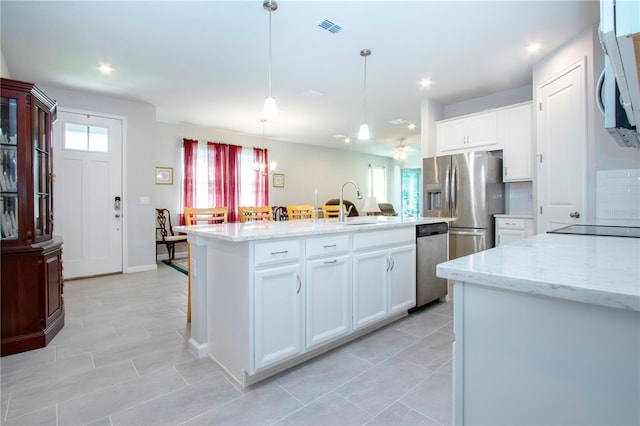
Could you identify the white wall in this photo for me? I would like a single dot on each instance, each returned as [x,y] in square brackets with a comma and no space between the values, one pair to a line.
[603,153]
[430,112]
[304,166]
[4,70]
[495,100]
[138,169]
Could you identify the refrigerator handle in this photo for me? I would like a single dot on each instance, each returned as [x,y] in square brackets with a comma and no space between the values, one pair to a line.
[447,192]
[454,193]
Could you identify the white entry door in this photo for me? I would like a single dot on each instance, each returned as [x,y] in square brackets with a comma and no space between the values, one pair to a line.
[88,190]
[562,148]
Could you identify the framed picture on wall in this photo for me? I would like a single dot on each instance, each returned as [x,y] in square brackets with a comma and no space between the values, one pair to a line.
[164,175]
[278,180]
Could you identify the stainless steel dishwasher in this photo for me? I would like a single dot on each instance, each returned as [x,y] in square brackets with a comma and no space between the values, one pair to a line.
[431,242]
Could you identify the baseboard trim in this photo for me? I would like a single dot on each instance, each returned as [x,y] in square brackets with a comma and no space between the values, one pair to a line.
[142,268]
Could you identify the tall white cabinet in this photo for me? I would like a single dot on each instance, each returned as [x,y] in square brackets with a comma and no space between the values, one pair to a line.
[517,134]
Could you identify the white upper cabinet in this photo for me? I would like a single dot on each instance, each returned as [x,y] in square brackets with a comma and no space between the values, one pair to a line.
[468,133]
[517,136]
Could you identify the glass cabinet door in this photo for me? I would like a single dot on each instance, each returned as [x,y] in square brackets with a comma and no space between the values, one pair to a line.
[41,174]
[8,168]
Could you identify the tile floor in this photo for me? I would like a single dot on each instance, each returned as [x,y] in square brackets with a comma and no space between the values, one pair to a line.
[122,359]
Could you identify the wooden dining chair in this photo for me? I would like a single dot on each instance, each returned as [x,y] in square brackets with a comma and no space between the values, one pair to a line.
[333,211]
[255,214]
[300,211]
[195,216]
[165,234]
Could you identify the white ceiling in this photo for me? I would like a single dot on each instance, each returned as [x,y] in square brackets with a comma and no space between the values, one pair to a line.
[205,63]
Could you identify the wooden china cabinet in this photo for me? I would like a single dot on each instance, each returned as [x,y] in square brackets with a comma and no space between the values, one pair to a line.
[31,263]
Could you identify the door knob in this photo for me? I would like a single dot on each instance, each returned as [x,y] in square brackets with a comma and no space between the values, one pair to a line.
[117,215]
[574,215]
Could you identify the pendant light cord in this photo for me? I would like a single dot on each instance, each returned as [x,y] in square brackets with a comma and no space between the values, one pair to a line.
[270,12]
[364,93]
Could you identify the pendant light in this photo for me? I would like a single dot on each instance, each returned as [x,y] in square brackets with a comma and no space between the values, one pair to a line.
[269,112]
[363,134]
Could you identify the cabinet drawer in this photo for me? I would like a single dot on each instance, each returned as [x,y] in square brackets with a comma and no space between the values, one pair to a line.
[327,246]
[365,240]
[281,251]
[506,223]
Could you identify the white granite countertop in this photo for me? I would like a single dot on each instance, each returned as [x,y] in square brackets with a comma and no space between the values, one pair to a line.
[592,269]
[514,216]
[296,228]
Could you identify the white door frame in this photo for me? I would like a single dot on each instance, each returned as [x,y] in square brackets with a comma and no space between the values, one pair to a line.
[123,170]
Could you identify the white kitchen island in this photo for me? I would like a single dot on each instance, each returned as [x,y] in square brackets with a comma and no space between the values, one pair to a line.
[268,295]
[547,332]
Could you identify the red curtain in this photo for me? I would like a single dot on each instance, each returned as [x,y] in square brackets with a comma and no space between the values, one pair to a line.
[261,183]
[190,150]
[224,177]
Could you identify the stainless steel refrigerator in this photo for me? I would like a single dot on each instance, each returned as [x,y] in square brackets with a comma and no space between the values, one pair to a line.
[468,187]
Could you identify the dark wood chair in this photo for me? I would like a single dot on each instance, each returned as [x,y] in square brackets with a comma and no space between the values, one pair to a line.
[165,235]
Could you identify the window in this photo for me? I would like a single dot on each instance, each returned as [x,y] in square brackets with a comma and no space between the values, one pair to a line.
[378,183]
[411,190]
[86,138]
[247,177]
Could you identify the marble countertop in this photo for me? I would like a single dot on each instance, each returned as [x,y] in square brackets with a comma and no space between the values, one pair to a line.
[590,269]
[238,232]
[513,216]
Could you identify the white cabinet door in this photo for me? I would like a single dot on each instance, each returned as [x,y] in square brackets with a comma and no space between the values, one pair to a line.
[278,318]
[517,141]
[451,135]
[370,293]
[468,133]
[482,130]
[506,236]
[328,294]
[562,144]
[512,229]
[402,278]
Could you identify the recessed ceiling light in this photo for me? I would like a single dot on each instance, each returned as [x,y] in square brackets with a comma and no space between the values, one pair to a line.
[105,69]
[347,139]
[533,47]
[412,126]
[425,82]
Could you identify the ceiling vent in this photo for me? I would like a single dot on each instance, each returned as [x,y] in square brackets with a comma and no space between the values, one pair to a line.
[330,26]
[398,121]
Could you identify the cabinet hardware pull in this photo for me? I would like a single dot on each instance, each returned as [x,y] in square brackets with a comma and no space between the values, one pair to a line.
[299,284]
[574,215]
[393,263]
[388,264]
[331,261]
[280,252]
[329,246]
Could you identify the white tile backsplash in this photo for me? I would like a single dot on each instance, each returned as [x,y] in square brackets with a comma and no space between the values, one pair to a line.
[618,195]
[519,198]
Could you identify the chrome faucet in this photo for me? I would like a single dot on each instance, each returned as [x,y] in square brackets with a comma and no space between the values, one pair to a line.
[341,210]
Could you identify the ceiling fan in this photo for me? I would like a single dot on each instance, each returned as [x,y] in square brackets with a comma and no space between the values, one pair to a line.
[401,150]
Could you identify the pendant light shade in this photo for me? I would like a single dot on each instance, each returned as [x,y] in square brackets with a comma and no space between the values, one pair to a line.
[270,111]
[363,134]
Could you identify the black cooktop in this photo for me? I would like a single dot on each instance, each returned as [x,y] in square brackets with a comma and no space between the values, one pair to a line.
[601,230]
